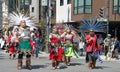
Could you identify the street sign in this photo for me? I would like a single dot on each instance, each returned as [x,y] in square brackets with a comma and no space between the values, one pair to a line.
[102,19]
[44,2]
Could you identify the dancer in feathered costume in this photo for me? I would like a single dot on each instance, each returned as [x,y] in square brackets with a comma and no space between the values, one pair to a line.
[37,44]
[24,38]
[91,40]
[13,41]
[68,44]
[56,49]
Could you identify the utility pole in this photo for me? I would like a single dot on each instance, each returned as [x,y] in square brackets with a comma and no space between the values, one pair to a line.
[47,5]
[48,23]
[108,14]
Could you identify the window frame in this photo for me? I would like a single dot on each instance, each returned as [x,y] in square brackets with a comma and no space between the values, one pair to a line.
[33,9]
[69,1]
[82,6]
[53,5]
[117,7]
[85,5]
[61,3]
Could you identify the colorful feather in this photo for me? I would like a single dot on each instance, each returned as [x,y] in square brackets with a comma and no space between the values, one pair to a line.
[92,25]
[15,19]
[66,26]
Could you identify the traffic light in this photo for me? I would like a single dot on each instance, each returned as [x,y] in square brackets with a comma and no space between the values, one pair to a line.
[101,12]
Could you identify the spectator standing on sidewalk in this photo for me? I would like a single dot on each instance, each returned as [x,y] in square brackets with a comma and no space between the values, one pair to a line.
[81,46]
[107,42]
[116,48]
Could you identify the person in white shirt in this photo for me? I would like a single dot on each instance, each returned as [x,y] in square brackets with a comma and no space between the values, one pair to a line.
[107,42]
[81,46]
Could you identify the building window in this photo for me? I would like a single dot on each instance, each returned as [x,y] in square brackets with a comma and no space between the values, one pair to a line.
[27,2]
[30,2]
[32,9]
[61,2]
[88,6]
[82,6]
[12,5]
[68,1]
[116,6]
[24,5]
[53,9]
[75,7]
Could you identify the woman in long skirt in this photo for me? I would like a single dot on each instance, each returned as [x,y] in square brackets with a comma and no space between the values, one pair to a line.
[68,46]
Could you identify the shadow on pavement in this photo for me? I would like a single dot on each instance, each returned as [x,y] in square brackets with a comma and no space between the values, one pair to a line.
[63,67]
[74,64]
[101,67]
[36,66]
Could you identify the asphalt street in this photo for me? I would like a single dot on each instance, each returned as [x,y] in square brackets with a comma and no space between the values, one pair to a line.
[43,64]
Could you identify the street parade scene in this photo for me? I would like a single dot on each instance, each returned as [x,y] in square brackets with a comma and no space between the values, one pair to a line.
[59,35]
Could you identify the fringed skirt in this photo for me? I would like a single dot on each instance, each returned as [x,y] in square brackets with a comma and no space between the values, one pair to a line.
[25,46]
[68,50]
[90,56]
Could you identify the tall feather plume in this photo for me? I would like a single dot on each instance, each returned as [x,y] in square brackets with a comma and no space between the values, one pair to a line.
[15,19]
[94,25]
[68,26]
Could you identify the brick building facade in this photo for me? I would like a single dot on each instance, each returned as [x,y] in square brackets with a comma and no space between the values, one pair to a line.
[81,9]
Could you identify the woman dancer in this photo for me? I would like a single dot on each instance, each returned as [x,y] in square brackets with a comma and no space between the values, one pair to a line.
[68,46]
[55,48]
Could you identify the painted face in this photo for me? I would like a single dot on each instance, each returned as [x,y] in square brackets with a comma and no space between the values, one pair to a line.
[23,24]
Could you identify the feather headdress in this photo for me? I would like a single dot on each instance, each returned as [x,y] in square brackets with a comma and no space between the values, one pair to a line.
[92,25]
[66,26]
[16,18]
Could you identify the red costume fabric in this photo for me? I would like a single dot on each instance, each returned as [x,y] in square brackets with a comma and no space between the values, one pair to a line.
[54,39]
[32,45]
[91,46]
[55,56]
[11,47]
[60,53]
